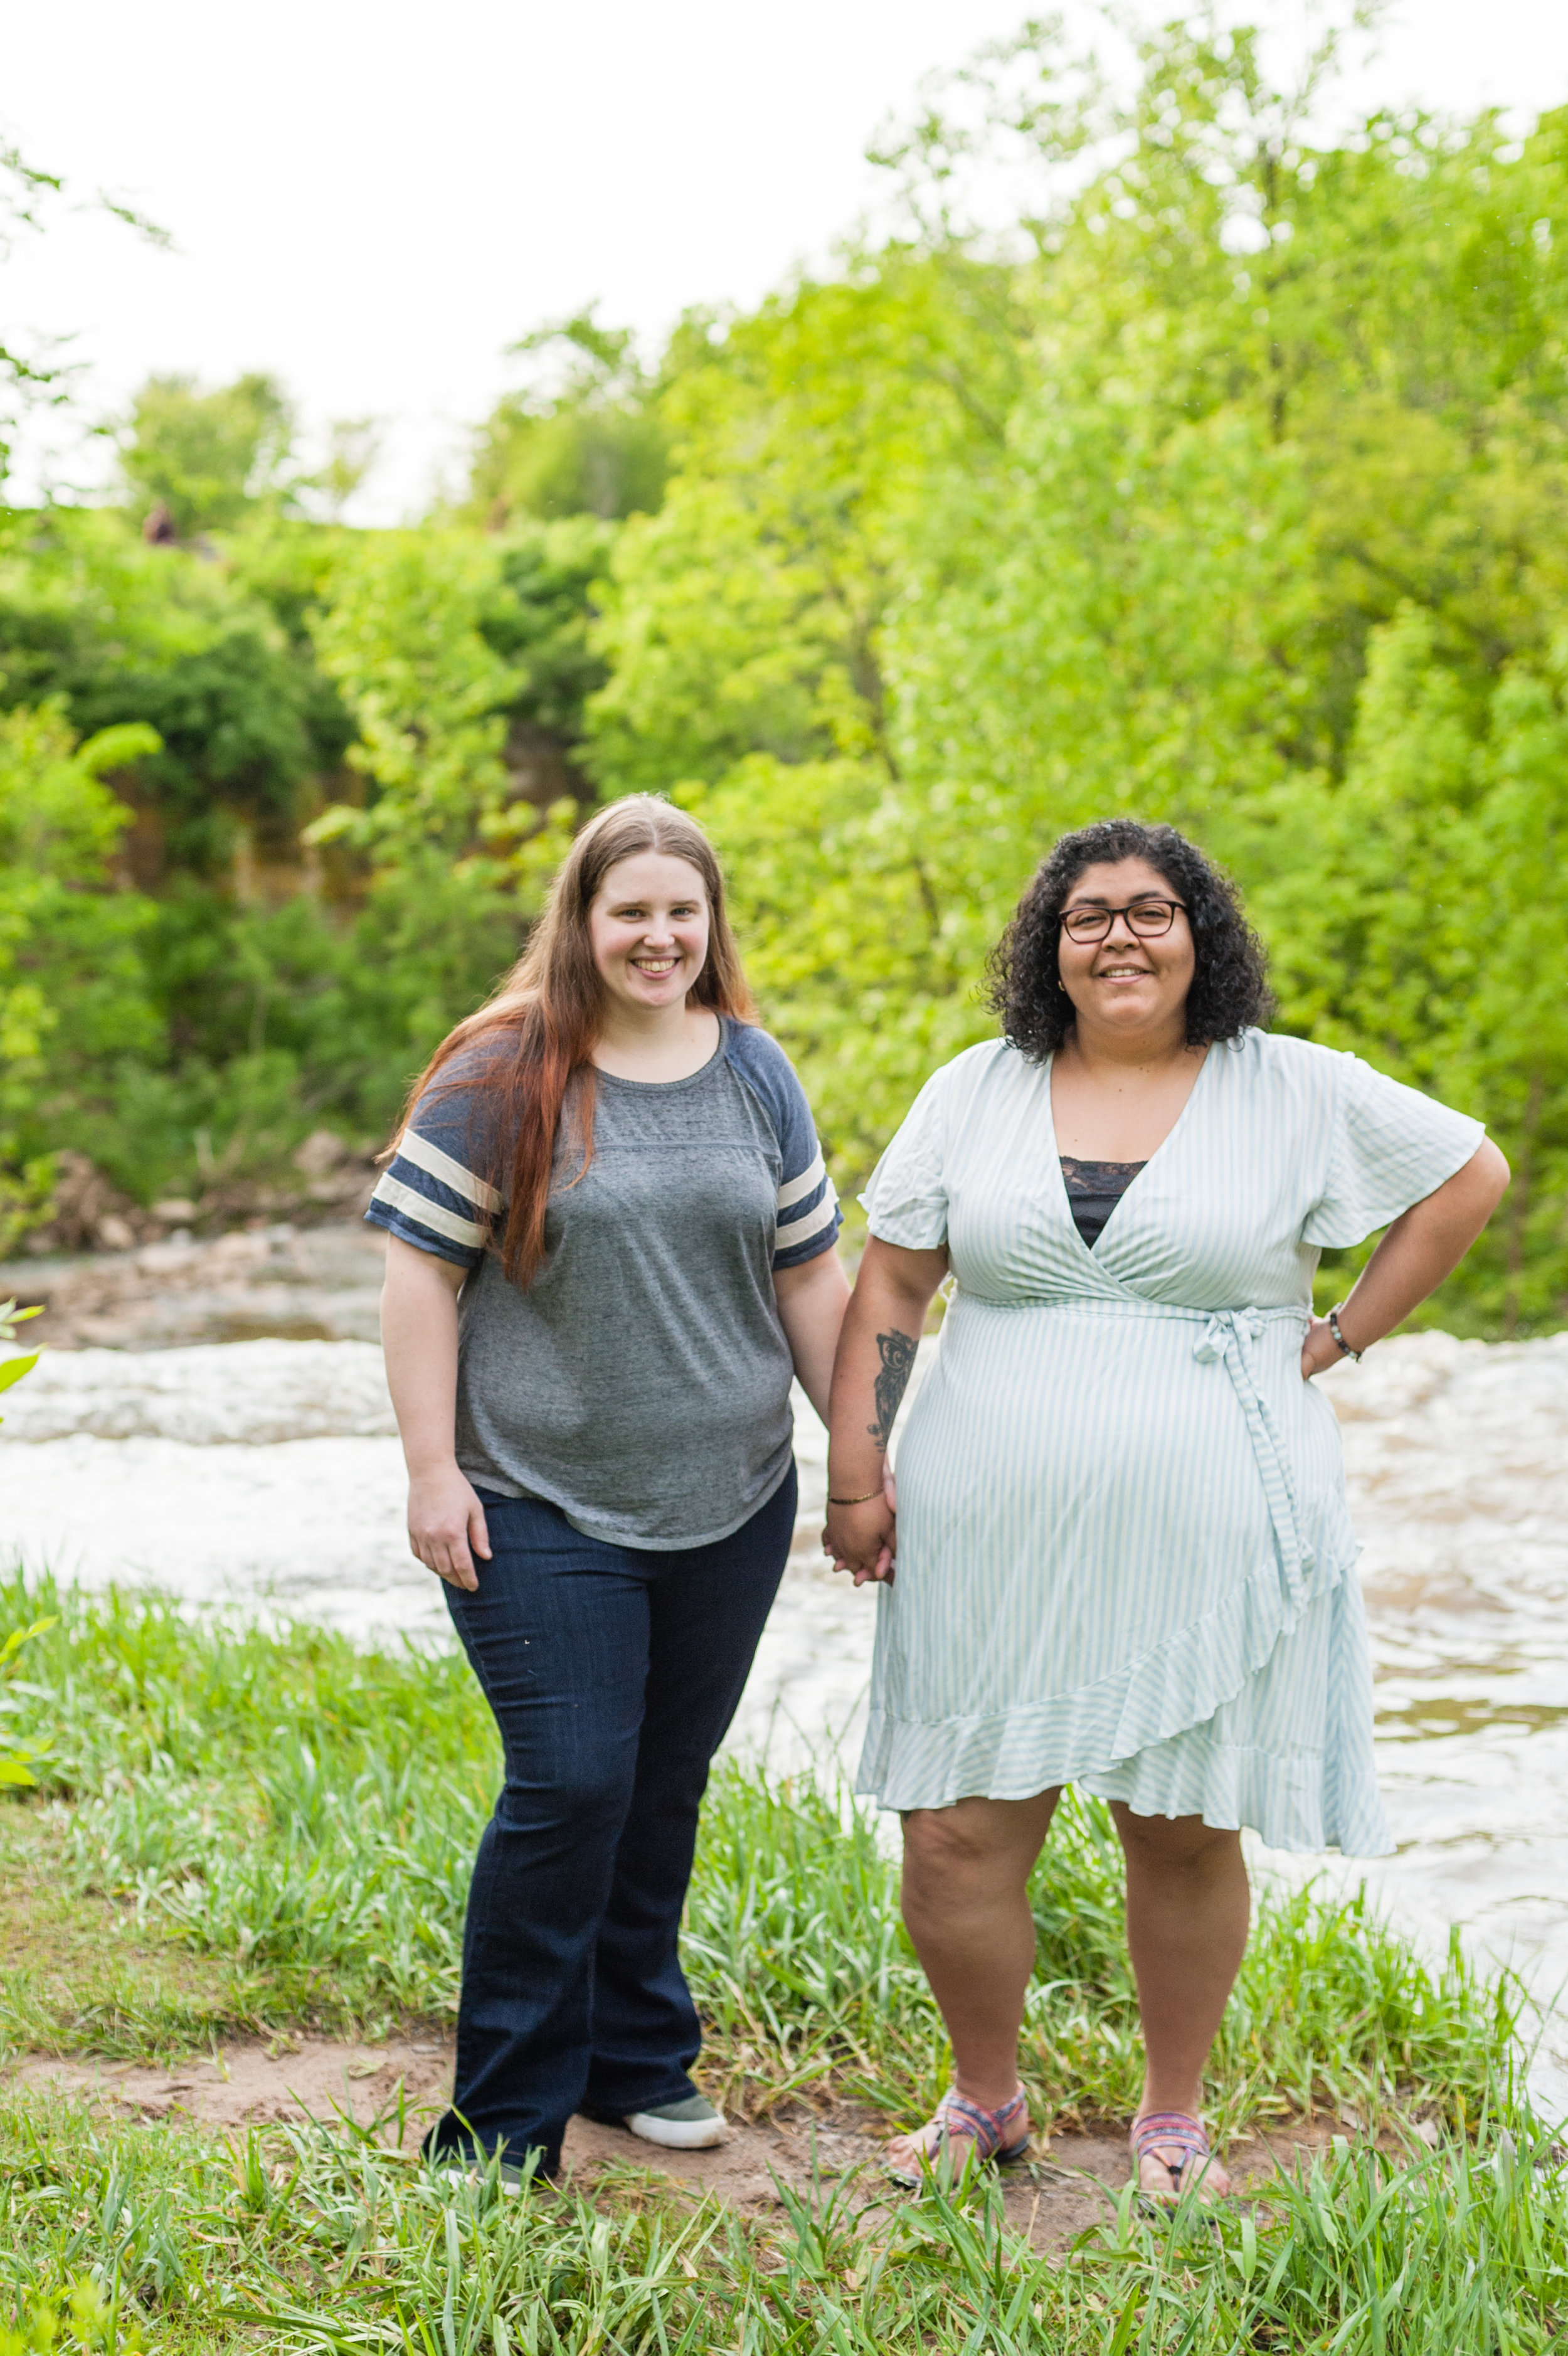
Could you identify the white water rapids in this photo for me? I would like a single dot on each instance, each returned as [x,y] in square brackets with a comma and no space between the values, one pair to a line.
[265,1475]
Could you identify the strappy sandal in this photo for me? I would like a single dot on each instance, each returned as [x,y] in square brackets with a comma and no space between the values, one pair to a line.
[1155,2128]
[999,2135]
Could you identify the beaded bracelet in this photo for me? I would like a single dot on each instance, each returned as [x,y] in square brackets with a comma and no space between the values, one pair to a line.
[1334,1329]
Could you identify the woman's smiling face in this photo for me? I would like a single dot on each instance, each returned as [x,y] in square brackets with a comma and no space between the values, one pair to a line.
[1122,981]
[648,928]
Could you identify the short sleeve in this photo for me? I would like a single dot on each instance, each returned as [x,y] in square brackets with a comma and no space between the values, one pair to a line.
[906,1198]
[808,1216]
[1390,1146]
[430,1195]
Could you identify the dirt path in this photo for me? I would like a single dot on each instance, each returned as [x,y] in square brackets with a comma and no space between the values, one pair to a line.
[251,2084]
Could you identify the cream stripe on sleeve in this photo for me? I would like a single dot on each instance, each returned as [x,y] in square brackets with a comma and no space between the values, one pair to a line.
[430,1158]
[798,1188]
[798,1231]
[426,1214]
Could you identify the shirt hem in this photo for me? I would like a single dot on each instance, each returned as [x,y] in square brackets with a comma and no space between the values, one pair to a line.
[514,1493]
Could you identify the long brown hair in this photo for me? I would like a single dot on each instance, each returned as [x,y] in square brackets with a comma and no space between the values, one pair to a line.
[545,1017]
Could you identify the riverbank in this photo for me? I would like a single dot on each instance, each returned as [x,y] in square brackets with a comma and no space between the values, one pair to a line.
[263,1475]
[246,1840]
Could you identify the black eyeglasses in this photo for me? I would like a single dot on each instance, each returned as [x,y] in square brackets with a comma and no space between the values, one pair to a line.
[1147,919]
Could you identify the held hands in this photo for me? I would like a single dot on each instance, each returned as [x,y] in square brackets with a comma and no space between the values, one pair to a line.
[863,1540]
[446,1526]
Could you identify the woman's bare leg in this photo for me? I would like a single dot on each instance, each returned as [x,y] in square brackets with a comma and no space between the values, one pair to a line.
[1189,1908]
[965,1905]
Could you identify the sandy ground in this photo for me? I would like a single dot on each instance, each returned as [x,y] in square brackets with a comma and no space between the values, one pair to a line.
[1067,2185]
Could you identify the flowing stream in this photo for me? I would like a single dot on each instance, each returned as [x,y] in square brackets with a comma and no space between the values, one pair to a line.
[265,1475]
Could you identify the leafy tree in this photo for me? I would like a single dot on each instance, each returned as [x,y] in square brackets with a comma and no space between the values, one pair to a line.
[591,444]
[1414,909]
[120,632]
[1256,406]
[354,445]
[199,460]
[401,634]
[466,662]
[746,616]
[1228,486]
[73,991]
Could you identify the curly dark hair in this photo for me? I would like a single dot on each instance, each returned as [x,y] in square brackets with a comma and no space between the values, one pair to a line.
[1230,984]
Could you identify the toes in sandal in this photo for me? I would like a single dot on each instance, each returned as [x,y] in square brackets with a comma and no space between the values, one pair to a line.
[965,2135]
[1154,2133]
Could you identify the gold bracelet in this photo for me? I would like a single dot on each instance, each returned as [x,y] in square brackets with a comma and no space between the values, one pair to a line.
[856,1501]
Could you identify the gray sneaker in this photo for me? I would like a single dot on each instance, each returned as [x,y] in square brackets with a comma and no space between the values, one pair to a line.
[691,2125]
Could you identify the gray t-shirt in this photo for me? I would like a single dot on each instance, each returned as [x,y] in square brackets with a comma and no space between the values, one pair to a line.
[642,1382]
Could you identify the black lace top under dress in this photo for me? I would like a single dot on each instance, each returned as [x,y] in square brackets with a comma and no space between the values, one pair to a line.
[1093,1189]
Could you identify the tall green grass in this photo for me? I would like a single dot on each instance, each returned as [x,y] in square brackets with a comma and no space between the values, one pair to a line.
[313,2238]
[307,1812]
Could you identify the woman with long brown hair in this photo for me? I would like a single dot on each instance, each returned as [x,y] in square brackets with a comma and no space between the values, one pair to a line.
[611,1247]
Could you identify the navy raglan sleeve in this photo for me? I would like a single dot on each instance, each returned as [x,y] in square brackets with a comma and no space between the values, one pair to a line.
[809,1218]
[429,1196]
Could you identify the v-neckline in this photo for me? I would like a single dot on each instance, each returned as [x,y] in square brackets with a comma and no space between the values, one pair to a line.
[1092,1251]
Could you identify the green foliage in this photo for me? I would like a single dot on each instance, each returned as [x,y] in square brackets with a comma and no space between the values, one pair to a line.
[747,612]
[90,2323]
[72,993]
[205,458]
[11,1373]
[540,621]
[592,444]
[1229,488]
[279,1017]
[120,632]
[18,1761]
[323,2237]
[1137,524]
[1415,913]
[403,639]
[194,1031]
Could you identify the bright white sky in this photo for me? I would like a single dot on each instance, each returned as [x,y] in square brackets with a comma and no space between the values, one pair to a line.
[373,201]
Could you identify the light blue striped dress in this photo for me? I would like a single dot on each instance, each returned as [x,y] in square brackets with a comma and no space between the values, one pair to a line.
[1125,1556]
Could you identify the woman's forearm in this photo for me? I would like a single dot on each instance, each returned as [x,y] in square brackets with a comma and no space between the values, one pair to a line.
[812,1300]
[419,1338]
[1423,1247]
[876,1357]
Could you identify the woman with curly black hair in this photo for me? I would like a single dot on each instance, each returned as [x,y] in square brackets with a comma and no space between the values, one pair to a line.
[1122,1552]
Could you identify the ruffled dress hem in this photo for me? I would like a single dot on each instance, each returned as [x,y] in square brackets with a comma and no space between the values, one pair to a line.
[1138,1735]
[1229,1785]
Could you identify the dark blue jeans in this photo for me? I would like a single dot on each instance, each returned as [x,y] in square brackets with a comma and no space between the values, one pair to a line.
[613,1674]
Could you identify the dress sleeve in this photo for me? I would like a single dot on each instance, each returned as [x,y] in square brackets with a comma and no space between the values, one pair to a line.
[430,1195]
[906,1199]
[1390,1146]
